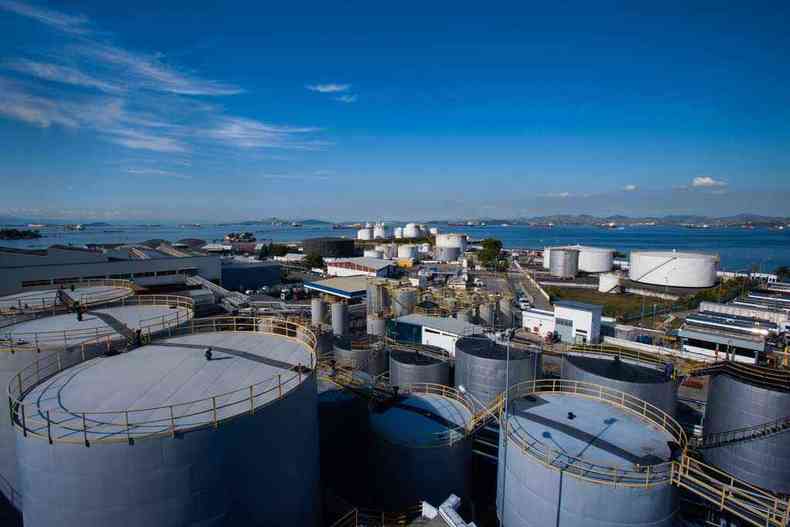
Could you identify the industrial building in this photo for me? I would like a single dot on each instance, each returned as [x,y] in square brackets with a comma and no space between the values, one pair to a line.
[577,322]
[441,332]
[538,321]
[112,437]
[329,247]
[20,269]
[347,287]
[360,267]
[673,268]
[241,274]
[726,337]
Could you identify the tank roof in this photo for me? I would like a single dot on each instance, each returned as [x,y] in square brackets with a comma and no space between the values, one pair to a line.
[413,357]
[620,370]
[419,418]
[49,297]
[677,254]
[170,374]
[485,348]
[598,433]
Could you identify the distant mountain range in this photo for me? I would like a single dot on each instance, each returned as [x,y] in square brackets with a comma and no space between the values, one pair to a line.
[675,219]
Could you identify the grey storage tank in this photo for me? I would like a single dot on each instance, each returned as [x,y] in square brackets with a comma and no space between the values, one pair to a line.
[481,367]
[340,319]
[405,301]
[651,382]
[749,400]
[317,311]
[366,355]
[564,263]
[421,447]
[176,435]
[418,364]
[570,456]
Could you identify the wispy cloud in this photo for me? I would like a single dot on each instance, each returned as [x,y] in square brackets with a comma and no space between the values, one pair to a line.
[149,72]
[249,133]
[317,175]
[141,140]
[348,98]
[707,182]
[630,188]
[21,105]
[328,88]
[76,25]
[156,173]
[63,74]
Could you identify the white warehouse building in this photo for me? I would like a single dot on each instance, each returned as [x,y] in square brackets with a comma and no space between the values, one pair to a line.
[577,322]
[538,321]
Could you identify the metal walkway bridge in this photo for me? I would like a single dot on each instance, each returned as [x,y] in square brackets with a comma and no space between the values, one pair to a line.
[234,298]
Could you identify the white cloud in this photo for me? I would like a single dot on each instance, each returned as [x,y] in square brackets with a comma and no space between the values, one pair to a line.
[557,195]
[348,98]
[32,109]
[149,72]
[630,188]
[328,88]
[249,133]
[68,23]
[156,172]
[63,74]
[707,182]
[139,140]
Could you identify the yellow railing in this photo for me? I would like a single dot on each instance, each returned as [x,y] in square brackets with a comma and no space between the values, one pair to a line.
[639,476]
[48,300]
[750,503]
[38,340]
[616,351]
[369,518]
[85,426]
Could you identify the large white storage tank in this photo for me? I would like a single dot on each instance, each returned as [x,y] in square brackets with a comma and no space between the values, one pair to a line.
[382,232]
[673,268]
[411,230]
[365,234]
[564,262]
[451,239]
[407,251]
[398,233]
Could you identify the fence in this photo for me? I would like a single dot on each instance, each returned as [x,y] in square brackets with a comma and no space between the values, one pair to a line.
[127,425]
[49,300]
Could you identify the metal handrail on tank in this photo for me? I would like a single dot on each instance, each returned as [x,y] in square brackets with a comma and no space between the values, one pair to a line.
[769,378]
[129,425]
[616,351]
[359,517]
[38,304]
[35,340]
[639,476]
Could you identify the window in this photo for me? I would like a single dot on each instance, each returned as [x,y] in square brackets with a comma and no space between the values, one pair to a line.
[147,273]
[66,280]
[165,273]
[564,322]
[121,276]
[34,283]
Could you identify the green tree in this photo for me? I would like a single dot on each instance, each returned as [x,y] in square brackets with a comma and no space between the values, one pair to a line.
[491,252]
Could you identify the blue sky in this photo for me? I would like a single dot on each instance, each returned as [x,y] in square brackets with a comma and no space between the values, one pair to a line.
[212,111]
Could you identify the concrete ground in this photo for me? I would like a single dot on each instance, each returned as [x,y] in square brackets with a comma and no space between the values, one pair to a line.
[171,372]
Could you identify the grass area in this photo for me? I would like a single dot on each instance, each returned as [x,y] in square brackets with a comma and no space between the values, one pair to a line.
[613,305]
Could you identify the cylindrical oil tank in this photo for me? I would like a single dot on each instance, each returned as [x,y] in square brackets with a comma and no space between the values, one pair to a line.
[388,250]
[610,282]
[547,258]
[317,311]
[372,253]
[329,247]
[376,326]
[407,251]
[377,297]
[405,301]
[371,358]
[488,313]
[398,233]
[481,367]
[340,319]
[365,234]
[595,259]
[434,231]
[648,382]
[411,230]
[446,254]
[577,460]
[419,450]
[735,403]
[184,458]
[424,248]
[343,421]
[673,269]
[452,240]
[382,232]
[410,366]
[564,263]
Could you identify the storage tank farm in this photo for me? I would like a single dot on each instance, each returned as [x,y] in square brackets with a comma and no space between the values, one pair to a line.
[579,454]
[591,259]
[368,355]
[644,377]
[564,262]
[216,424]
[673,268]
[747,425]
[44,324]
[481,368]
